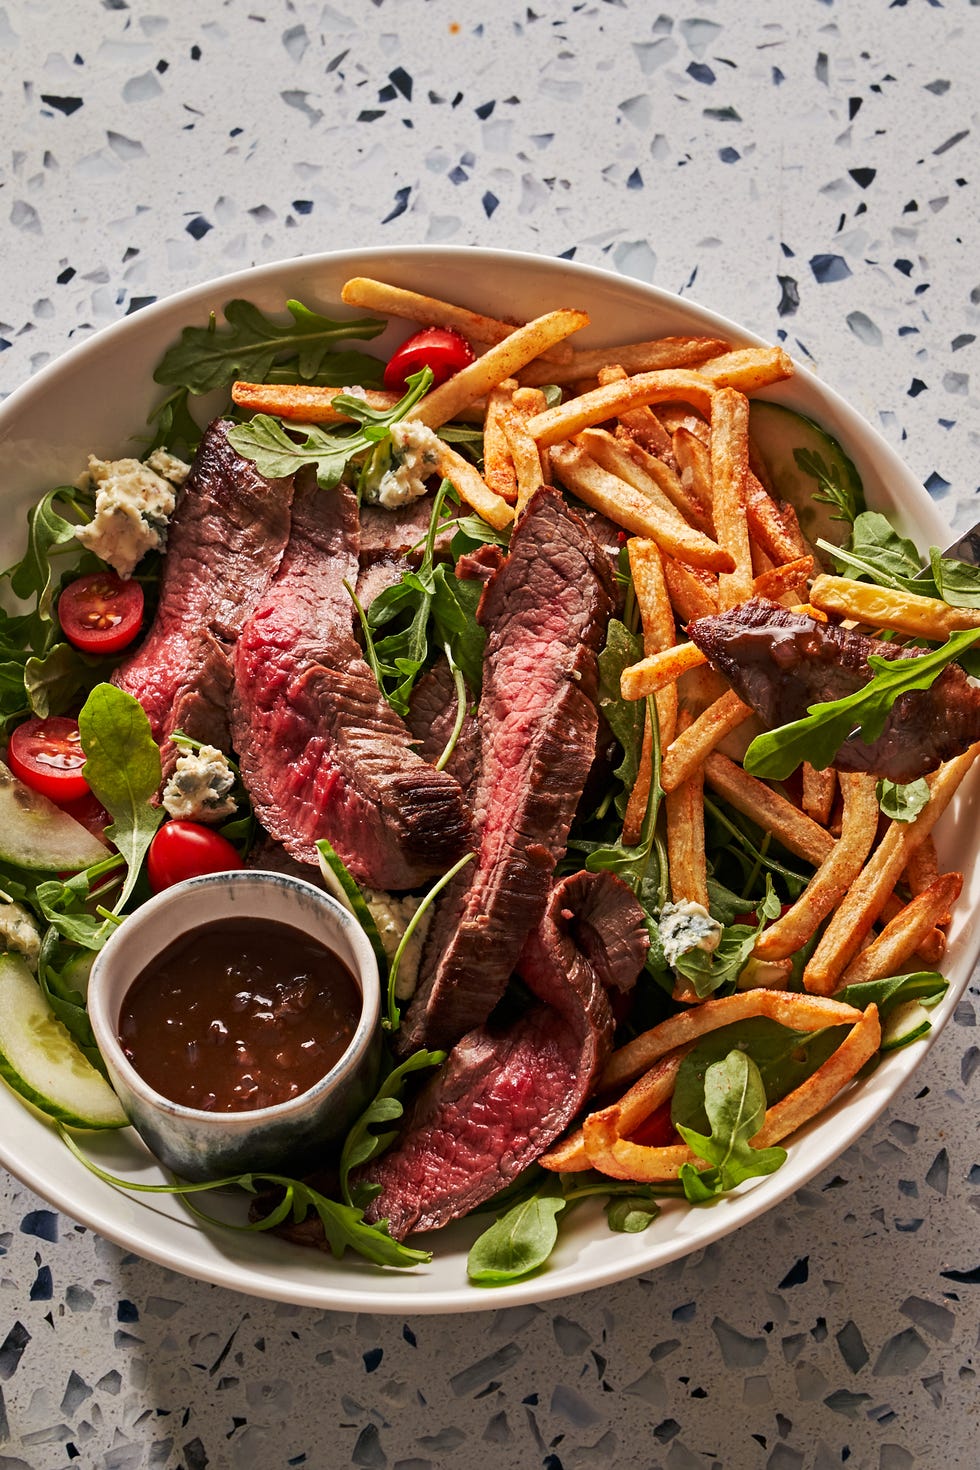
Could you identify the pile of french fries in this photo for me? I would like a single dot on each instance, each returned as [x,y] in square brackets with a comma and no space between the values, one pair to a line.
[655,436]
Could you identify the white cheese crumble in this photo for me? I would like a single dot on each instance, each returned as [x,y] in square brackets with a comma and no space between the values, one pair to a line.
[416,453]
[391,916]
[133,504]
[685,926]
[198,790]
[18,932]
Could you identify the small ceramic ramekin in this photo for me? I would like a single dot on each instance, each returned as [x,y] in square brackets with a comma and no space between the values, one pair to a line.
[289,1137]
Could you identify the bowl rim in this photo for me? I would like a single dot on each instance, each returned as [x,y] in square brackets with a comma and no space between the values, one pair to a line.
[277,1276]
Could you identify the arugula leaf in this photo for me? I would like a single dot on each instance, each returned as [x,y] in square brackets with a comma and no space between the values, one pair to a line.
[833,489]
[212,356]
[820,734]
[878,552]
[276,452]
[49,534]
[957,582]
[707,970]
[519,1241]
[363,1142]
[624,716]
[902,803]
[735,1103]
[926,986]
[174,426]
[54,680]
[631,1213]
[123,768]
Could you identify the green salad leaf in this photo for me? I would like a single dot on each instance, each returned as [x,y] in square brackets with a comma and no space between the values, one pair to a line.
[520,1241]
[735,1104]
[371,1134]
[842,492]
[902,803]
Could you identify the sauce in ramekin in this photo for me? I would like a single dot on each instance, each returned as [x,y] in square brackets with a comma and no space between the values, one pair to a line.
[239,1014]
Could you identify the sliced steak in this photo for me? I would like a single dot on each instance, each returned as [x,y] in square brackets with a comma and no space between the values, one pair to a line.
[503,1096]
[322,753]
[395,533]
[432,718]
[545,612]
[225,543]
[781,662]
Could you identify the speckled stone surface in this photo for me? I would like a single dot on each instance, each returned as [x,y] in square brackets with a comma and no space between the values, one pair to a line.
[807,168]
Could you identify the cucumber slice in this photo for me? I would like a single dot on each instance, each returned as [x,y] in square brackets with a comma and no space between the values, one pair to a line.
[906,1023]
[341,886]
[39,1059]
[36,834]
[778,433]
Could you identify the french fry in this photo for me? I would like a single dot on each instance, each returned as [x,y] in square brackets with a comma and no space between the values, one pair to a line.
[644,1097]
[524,451]
[693,458]
[798,1012]
[729,468]
[923,868]
[304,403]
[501,361]
[641,425]
[868,894]
[823,1085]
[663,353]
[429,311]
[528,402]
[773,813]
[748,368]
[693,591]
[657,621]
[832,879]
[660,669]
[819,790]
[788,580]
[498,462]
[901,938]
[626,453]
[880,607]
[645,512]
[687,753]
[614,399]
[686,861]
[468,481]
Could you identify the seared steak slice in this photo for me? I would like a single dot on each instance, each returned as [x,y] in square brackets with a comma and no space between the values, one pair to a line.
[503,1096]
[432,718]
[545,612]
[781,662]
[322,753]
[225,543]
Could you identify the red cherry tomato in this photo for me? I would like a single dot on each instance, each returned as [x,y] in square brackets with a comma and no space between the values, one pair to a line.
[47,755]
[182,850]
[439,348]
[658,1130]
[101,613]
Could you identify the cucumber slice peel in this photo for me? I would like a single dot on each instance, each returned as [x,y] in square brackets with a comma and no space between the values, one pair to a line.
[906,1023]
[36,834]
[343,888]
[40,1060]
[782,436]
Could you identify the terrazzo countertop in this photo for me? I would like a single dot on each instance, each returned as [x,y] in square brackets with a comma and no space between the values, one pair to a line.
[808,168]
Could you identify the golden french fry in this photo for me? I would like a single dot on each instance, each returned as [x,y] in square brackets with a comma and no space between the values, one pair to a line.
[869,892]
[525,454]
[880,607]
[657,621]
[798,1012]
[498,462]
[641,425]
[635,357]
[429,311]
[631,498]
[467,480]
[687,753]
[922,870]
[819,790]
[639,796]
[693,591]
[501,361]
[686,861]
[643,1098]
[748,368]
[901,939]
[614,399]
[622,453]
[788,580]
[660,669]
[693,458]
[729,468]
[304,403]
[774,528]
[794,829]
[834,876]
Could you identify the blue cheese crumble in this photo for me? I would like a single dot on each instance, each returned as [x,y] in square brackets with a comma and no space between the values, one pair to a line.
[685,926]
[415,452]
[134,501]
[199,789]
[18,931]
[392,916]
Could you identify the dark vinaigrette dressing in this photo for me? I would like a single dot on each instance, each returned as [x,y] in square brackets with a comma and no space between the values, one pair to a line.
[240,1014]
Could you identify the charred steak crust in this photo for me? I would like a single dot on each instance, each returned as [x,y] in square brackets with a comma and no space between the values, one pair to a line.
[503,1096]
[781,662]
[322,753]
[225,542]
[545,612]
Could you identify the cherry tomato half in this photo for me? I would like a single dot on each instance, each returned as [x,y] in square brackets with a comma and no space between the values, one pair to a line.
[89,811]
[101,613]
[658,1130]
[47,755]
[182,850]
[439,348]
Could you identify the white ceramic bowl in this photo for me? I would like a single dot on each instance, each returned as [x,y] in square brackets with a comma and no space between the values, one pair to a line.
[289,1137]
[95,399]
